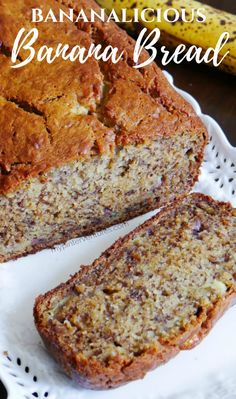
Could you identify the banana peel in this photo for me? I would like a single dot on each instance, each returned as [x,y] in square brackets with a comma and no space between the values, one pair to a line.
[201,34]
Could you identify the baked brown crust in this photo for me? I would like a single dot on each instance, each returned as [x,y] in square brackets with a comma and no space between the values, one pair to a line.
[91,373]
[54,114]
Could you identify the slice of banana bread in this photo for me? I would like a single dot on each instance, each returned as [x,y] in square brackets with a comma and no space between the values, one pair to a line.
[154,292]
[85,146]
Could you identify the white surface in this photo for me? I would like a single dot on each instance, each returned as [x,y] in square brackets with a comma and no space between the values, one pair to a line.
[206,372]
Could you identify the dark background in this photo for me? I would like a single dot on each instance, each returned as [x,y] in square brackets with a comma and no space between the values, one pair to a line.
[214,90]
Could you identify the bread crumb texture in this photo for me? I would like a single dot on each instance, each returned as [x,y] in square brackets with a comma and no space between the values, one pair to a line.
[147,296]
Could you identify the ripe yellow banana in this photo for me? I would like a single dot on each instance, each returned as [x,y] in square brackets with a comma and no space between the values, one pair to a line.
[202,34]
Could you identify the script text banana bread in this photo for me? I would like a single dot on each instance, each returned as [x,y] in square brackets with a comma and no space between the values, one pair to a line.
[154,292]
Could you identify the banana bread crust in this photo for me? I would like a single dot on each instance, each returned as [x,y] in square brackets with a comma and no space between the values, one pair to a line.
[91,373]
[47,122]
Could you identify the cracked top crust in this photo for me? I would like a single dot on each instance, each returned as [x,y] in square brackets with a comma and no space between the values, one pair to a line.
[52,114]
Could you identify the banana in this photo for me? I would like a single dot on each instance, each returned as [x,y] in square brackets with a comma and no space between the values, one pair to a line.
[201,34]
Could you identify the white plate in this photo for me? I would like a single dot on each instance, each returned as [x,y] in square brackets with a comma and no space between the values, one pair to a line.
[206,372]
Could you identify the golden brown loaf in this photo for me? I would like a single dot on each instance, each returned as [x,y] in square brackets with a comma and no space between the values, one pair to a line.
[156,291]
[76,137]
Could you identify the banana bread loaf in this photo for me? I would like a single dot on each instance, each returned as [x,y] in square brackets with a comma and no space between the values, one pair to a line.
[154,292]
[85,146]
